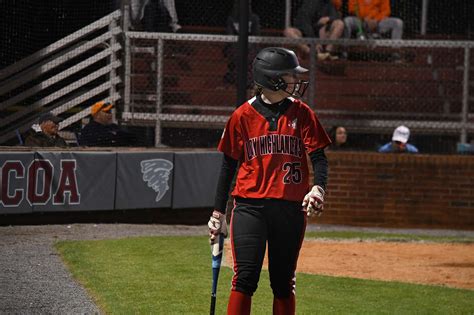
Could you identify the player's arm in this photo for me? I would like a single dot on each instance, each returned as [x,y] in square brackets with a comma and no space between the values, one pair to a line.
[217,223]
[313,202]
[228,169]
[320,167]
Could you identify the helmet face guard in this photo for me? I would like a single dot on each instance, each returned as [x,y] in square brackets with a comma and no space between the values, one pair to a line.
[297,89]
[271,64]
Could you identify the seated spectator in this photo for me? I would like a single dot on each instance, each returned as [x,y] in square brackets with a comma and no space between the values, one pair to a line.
[230,50]
[174,23]
[399,143]
[154,15]
[101,131]
[338,135]
[232,27]
[373,16]
[317,18]
[48,135]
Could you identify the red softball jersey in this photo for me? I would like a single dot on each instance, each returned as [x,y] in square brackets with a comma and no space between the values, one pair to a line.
[273,163]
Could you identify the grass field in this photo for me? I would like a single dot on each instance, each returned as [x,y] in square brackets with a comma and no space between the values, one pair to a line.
[172,275]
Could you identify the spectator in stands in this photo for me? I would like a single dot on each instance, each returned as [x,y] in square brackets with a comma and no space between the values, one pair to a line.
[155,15]
[399,143]
[174,23]
[101,131]
[373,16]
[48,135]
[230,50]
[232,27]
[317,18]
[338,135]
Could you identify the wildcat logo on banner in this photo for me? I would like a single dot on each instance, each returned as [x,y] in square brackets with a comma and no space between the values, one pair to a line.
[13,172]
[156,173]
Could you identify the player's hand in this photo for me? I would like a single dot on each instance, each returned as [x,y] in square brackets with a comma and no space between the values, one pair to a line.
[313,202]
[217,225]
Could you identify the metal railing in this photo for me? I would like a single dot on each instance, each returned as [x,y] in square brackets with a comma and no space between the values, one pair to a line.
[430,94]
[185,80]
[62,78]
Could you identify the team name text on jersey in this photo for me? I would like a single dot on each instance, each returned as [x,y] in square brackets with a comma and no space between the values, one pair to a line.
[273,144]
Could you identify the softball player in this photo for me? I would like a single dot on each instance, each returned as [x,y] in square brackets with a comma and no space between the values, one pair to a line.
[267,140]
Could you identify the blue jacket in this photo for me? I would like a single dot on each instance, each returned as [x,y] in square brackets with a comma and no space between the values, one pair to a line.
[388,148]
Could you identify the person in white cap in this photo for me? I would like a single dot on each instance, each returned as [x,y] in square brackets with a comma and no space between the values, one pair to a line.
[399,143]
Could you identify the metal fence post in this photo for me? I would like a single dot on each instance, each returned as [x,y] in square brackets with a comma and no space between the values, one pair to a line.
[424,17]
[465,96]
[312,73]
[127,58]
[287,13]
[159,89]
[112,58]
[242,53]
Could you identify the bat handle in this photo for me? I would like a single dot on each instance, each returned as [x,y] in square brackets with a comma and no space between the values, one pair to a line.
[213,304]
[216,250]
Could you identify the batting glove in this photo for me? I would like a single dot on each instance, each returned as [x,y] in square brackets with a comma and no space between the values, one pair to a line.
[313,202]
[217,225]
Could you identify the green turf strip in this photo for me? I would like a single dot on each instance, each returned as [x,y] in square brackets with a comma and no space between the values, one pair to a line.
[172,275]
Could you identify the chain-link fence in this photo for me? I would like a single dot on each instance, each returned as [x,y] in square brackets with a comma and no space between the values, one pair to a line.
[30,25]
[189,81]
[442,16]
[376,85]
[179,89]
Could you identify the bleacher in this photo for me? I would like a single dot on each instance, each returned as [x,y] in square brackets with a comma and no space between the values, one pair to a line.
[384,88]
[366,92]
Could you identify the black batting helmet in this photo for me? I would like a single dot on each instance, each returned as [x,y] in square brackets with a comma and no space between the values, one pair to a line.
[271,64]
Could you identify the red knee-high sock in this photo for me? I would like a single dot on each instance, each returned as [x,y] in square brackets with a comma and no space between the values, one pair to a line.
[239,303]
[284,306]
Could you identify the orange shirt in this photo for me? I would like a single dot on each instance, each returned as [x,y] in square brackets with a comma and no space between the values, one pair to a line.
[372,9]
[337,4]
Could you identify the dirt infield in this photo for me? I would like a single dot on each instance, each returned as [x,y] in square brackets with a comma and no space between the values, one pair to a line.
[424,263]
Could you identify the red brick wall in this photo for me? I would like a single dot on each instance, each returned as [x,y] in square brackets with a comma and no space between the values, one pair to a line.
[400,190]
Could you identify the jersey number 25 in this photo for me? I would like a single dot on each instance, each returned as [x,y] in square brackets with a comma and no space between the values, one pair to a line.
[293,173]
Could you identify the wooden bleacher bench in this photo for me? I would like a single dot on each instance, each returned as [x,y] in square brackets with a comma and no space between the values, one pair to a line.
[425,89]
[200,29]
